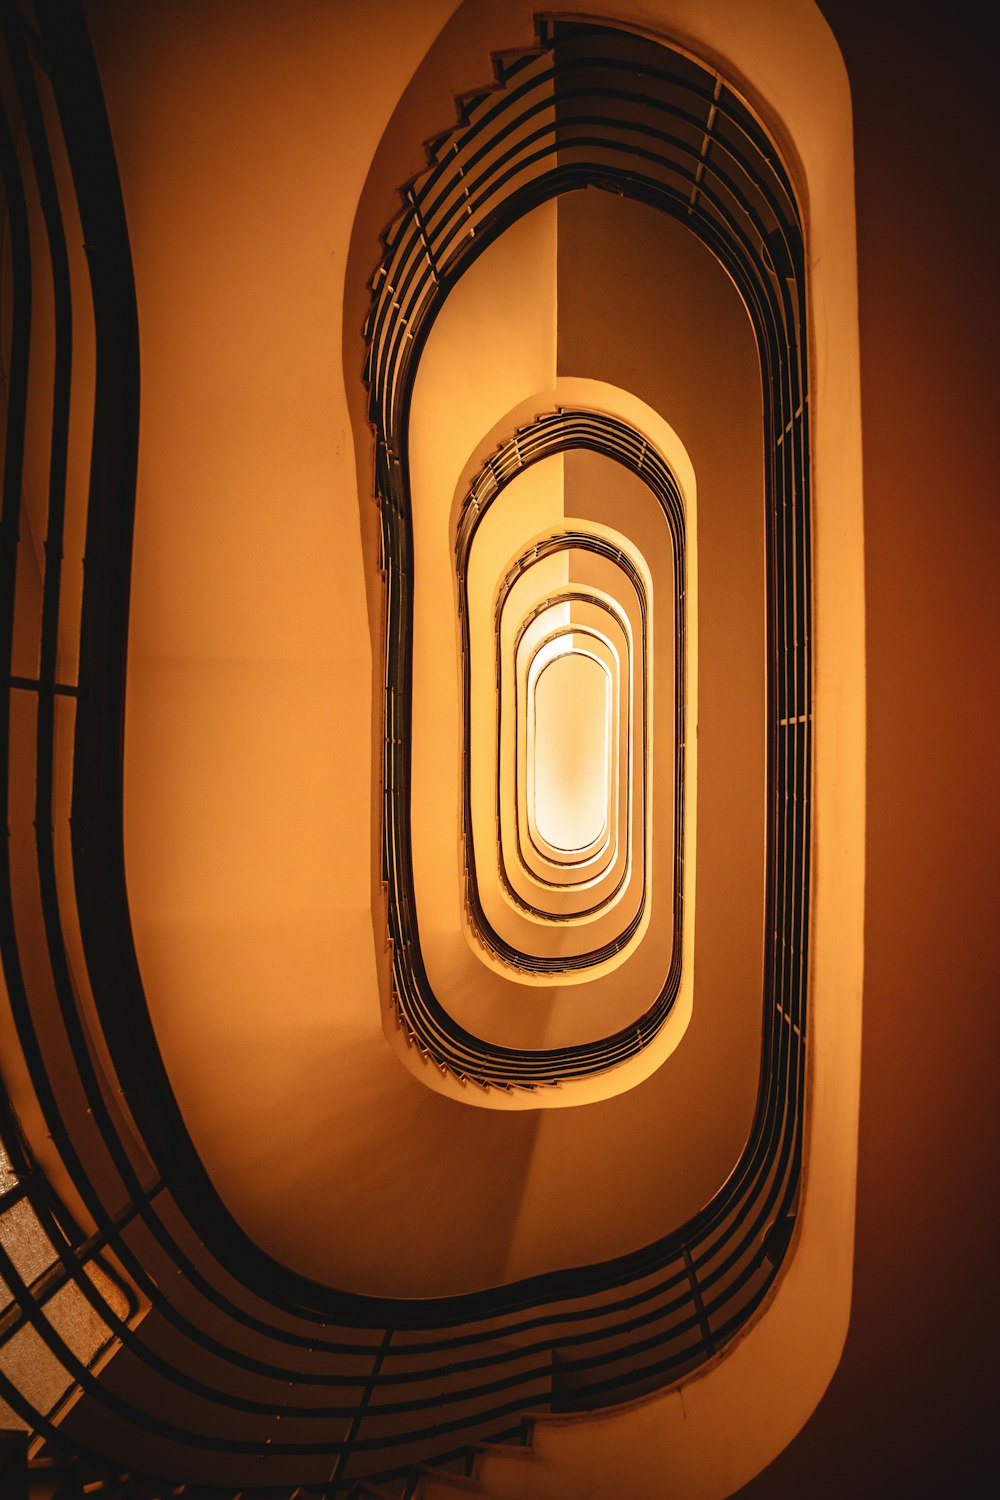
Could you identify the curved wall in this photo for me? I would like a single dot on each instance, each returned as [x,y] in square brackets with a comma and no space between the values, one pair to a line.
[239,779]
[794,1320]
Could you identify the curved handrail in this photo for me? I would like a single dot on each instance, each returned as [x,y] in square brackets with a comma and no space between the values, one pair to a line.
[377,1384]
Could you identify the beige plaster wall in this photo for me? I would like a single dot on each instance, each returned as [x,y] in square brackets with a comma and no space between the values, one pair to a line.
[247,804]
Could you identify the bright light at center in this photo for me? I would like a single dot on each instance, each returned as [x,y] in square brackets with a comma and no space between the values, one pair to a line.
[571,709]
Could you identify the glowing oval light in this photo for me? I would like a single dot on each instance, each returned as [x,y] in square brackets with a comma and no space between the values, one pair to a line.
[569,756]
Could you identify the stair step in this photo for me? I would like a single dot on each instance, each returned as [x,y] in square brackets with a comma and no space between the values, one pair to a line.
[367,1491]
[468,103]
[434,143]
[511,62]
[443,1483]
[517,1451]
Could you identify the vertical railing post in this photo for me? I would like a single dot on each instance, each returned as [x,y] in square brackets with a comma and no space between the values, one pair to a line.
[344,1456]
[699,1303]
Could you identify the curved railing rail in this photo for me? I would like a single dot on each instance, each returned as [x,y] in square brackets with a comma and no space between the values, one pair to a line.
[551,433]
[243,1377]
[569,117]
[563,541]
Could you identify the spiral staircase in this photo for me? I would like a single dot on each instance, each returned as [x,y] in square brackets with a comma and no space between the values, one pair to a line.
[148,1346]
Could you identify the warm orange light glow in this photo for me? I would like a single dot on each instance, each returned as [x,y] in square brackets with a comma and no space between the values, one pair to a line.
[570,729]
[593,871]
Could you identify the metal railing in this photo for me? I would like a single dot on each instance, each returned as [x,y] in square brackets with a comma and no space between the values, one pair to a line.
[244,1377]
[668,135]
[554,433]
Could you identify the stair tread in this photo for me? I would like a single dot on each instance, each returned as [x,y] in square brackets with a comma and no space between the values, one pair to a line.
[505,1450]
[450,1478]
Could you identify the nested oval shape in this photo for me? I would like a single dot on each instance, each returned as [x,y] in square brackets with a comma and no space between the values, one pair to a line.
[569,765]
[580,874]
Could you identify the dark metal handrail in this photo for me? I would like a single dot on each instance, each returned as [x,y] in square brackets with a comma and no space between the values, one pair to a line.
[597,432]
[567,596]
[368,1386]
